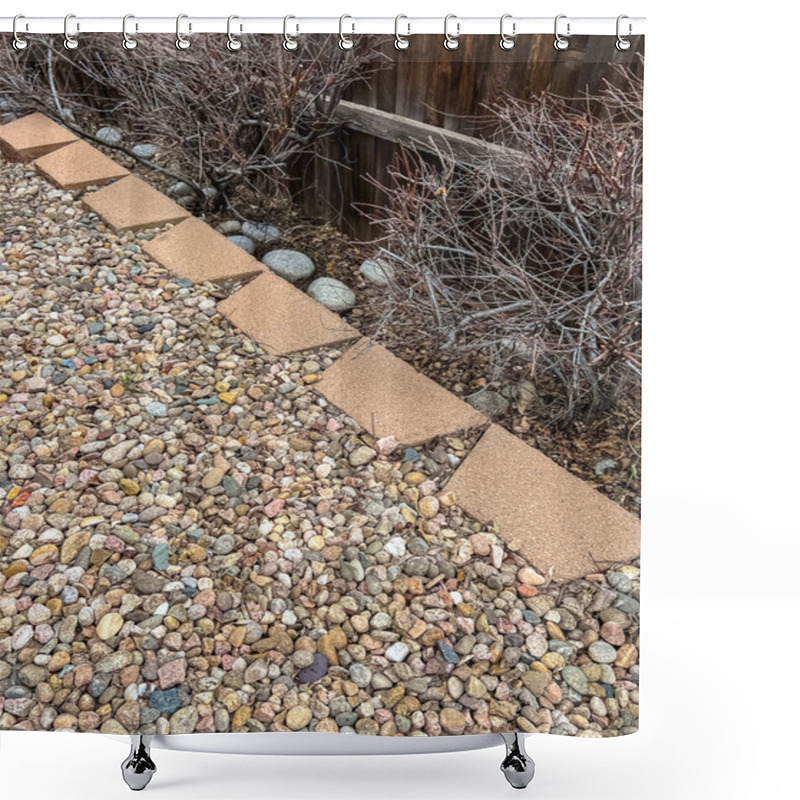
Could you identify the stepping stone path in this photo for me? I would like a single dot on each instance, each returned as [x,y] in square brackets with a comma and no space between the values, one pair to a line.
[78,165]
[282,319]
[131,204]
[388,397]
[290,265]
[32,136]
[196,251]
[555,518]
[333,294]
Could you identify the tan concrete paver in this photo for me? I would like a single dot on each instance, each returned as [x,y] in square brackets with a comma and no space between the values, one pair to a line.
[283,319]
[389,397]
[78,165]
[557,519]
[196,251]
[32,136]
[132,204]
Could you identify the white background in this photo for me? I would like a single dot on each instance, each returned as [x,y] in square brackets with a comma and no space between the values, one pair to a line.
[720,610]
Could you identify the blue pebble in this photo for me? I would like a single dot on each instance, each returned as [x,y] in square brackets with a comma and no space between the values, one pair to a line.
[96,327]
[166,700]
[448,653]
[136,270]
[529,616]
[67,362]
[69,595]
[557,646]
[146,328]
[161,556]
[156,409]
[410,454]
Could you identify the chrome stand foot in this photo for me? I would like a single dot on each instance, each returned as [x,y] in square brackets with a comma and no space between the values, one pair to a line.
[138,768]
[517,766]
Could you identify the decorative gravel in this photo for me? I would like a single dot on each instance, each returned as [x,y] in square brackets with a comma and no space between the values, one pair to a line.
[191,539]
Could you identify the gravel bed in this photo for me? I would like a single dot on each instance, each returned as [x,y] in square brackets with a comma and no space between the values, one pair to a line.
[192,540]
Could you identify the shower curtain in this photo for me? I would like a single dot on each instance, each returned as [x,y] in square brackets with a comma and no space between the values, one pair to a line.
[320,385]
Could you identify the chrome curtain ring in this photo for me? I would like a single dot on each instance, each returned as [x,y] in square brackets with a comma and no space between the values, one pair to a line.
[129,42]
[18,43]
[70,42]
[401,42]
[289,39]
[623,43]
[507,40]
[346,40]
[234,43]
[561,42]
[181,42]
[451,39]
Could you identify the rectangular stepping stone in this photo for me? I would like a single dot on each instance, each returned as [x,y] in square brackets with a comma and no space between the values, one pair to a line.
[388,397]
[556,519]
[78,165]
[131,204]
[196,251]
[282,319]
[32,136]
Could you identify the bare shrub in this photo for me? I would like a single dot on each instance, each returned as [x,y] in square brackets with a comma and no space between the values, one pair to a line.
[226,119]
[532,252]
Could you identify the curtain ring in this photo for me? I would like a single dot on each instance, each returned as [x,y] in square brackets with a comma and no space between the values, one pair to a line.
[507,41]
[18,42]
[181,42]
[234,44]
[129,42]
[623,43]
[401,42]
[346,42]
[289,40]
[70,42]
[451,39]
[561,42]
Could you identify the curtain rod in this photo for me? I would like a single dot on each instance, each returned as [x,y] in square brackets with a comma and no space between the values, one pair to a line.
[632,26]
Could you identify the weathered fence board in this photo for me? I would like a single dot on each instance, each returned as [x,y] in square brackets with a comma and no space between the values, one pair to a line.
[428,91]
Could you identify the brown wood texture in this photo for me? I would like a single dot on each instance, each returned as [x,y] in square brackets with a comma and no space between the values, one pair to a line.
[449,90]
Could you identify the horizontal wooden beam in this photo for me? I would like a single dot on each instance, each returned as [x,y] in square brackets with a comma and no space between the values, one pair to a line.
[395,128]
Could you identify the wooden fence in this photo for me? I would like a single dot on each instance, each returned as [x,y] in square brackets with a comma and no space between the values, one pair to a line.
[429,91]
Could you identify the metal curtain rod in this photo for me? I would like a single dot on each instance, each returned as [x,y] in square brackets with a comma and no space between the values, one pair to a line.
[578,26]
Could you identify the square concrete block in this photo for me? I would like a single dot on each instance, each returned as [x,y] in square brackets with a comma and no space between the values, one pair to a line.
[78,165]
[555,518]
[32,136]
[282,319]
[388,397]
[196,251]
[131,204]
